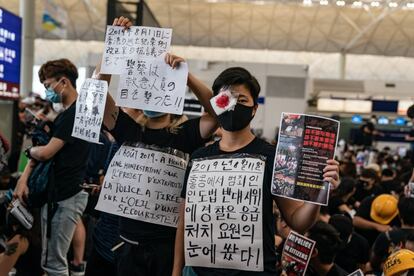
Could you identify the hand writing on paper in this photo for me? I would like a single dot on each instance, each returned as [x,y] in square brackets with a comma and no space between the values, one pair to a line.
[123,22]
[331,173]
[173,60]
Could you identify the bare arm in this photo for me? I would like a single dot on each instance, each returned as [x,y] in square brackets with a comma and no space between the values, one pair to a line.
[43,153]
[409,138]
[300,216]
[208,122]
[179,244]
[21,191]
[17,247]
[111,110]
[370,225]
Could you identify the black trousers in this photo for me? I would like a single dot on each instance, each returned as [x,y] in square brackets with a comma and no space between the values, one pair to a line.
[152,258]
[97,265]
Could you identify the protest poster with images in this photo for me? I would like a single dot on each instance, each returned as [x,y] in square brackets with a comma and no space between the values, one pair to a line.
[135,43]
[223,213]
[152,84]
[296,254]
[90,108]
[357,273]
[144,183]
[305,144]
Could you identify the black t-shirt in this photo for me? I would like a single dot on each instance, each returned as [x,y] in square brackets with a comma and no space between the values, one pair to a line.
[70,161]
[364,211]
[334,271]
[257,147]
[382,245]
[334,203]
[391,185]
[354,254]
[361,193]
[186,139]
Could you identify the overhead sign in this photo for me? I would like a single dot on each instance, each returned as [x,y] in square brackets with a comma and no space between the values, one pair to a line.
[10,51]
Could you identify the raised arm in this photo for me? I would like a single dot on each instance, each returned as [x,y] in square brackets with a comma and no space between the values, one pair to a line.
[300,216]
[208,122]
[111,110]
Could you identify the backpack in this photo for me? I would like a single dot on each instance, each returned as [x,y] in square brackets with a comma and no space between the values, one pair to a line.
[40,177]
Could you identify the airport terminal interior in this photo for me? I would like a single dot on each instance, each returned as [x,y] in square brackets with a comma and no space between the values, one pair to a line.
[206,137]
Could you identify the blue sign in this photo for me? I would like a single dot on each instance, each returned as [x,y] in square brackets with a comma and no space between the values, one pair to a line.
[10,52]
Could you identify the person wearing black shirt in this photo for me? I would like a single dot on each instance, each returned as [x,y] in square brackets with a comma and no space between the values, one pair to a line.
[237,138]
[376,215]
[354,251]
[328,243]
[69,156]
[364,136]
[390,241]
[148,248]
[339,201]
[366,186]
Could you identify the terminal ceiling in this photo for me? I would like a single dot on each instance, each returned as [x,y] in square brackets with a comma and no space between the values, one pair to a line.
[370,27]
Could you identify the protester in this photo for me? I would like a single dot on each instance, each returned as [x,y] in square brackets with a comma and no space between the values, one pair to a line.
[395,239]
[328,243]
[366,186]
[148,248]
[354,251]
[69,156]
[401,263]
[339,201]
[237,138]
[376,215]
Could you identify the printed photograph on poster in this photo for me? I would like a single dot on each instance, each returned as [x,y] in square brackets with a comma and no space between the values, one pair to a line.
[305,144]
[296,254]
[151,84]
[90,108]
[357,273]
[144,183]
[223,223]
[138,42]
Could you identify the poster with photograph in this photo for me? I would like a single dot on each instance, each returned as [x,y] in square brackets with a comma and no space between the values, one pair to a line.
[357,273]
[305,144]
[296,254]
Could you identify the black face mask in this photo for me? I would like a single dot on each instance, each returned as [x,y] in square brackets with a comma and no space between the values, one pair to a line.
[236,119]
[364,184]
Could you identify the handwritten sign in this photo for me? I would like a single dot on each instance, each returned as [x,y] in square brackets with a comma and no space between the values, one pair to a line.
[296,254]
[151,84]
[144,184]
[223,214]
[90,108]
[137,42]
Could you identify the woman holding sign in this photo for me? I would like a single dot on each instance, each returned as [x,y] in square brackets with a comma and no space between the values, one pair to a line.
[226,224]
[142,176]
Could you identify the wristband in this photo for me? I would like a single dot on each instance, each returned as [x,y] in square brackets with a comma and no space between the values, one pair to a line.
[27,153]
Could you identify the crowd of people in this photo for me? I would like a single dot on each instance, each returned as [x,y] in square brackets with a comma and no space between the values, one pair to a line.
[367,225]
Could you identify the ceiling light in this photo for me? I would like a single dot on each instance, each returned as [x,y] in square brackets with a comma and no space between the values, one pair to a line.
[410,5]
[324,2]
[375,4]
[261,3]
[357,4]
[307,2]
[393,4]
[340,3]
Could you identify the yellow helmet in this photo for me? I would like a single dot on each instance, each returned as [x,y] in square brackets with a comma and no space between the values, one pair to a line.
[384,209]
[398,262]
